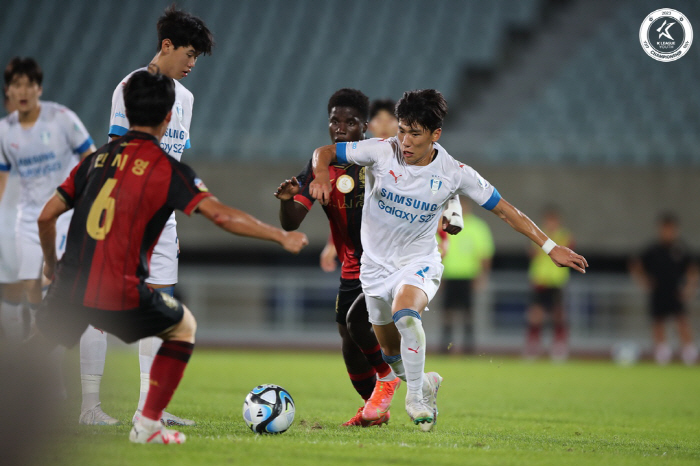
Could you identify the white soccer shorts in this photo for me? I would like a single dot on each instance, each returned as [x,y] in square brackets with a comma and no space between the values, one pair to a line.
[30,257]
[381,285]
[163,267]
[8,255]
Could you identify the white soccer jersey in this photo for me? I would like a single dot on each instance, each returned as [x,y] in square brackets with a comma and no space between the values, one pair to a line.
[43,155]
[8,216]
[177,136]
[403,203]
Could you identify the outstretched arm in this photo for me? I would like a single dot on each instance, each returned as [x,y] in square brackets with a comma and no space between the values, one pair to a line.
[291,212]
[47,232]
[560,255]
[240,223]
[320,187]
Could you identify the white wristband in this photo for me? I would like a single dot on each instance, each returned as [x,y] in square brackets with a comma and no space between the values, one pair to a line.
[548,246]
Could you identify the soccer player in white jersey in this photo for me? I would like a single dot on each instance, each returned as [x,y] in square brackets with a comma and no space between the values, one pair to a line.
[408,180]
[42,141]
[11,290]
[182,38]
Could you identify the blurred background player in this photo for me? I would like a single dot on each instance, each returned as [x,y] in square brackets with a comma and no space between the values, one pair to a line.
[43,141]
[401,267]
[467,262]
[382,120]
[548,282]
[668,272]
[182,38]
[372,378]
[10,290]
[119,213]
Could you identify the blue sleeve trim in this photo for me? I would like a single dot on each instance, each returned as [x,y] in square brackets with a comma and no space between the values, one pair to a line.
[116,130]
[341,152]
[187,144]
[4,168]
[84,146]
[493,200]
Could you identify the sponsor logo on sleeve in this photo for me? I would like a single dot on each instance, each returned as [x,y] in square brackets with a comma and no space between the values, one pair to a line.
[200,185]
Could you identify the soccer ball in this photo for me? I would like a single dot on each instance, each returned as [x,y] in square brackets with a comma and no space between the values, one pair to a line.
[268,409]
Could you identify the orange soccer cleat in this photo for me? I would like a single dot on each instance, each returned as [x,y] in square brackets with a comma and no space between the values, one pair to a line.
[357,420]
[378,404]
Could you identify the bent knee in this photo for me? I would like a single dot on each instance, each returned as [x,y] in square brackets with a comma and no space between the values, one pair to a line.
[185,330]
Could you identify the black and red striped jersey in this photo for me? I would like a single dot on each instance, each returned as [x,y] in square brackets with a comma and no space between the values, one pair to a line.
[122,195]
[344,211]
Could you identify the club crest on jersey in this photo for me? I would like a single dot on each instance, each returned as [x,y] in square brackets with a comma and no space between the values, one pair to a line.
[200,185]
[45,137]
[435,185]
[179,111]
[345,184]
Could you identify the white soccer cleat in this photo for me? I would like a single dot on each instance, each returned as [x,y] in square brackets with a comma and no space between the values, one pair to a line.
[97,417]
[420,412]
[431,385]
[145,431]
[166,419]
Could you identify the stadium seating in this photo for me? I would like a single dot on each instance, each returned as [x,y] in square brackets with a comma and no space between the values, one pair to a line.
[611,104]
[263,93]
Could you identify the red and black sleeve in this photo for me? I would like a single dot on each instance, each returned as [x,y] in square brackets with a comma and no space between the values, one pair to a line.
[305,178]
[186,190]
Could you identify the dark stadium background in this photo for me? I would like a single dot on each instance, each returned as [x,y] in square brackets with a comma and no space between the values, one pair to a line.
[553,101]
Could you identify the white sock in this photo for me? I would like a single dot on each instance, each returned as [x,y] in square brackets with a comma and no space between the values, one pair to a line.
[392,375]
[396,365]
[93,350]
[11,321]
[409,324]
[148,348]
[91,391]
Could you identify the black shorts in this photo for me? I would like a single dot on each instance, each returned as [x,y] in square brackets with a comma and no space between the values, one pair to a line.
[458,294]
[664,305]
[64,323]
[348,292]
[548,297]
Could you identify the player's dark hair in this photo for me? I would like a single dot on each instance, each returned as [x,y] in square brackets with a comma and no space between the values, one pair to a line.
[26,66]
[381,104]
[350,98]
[426,107]
[148,97]
[184,29]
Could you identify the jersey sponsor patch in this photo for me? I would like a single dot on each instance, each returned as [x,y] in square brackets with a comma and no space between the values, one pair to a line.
[345,184]
[200,185]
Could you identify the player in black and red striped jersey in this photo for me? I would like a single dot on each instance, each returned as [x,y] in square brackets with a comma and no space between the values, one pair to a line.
[122,196]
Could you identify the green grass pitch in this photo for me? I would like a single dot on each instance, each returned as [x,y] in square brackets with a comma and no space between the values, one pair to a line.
[493,411]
